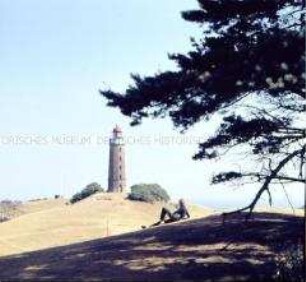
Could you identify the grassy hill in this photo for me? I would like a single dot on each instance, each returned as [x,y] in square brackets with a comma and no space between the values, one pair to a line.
[50,223]
[202,249]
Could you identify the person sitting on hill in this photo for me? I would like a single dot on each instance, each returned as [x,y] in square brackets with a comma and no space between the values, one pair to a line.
[166,216]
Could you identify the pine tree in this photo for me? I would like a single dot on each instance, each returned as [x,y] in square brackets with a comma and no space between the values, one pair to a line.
[249,68]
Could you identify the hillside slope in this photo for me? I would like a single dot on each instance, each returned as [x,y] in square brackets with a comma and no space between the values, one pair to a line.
[51,223]
[202,249]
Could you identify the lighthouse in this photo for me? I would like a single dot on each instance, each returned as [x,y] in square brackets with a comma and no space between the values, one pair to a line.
[116,169]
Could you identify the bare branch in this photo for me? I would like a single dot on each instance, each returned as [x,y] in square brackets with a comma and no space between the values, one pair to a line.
[265,186]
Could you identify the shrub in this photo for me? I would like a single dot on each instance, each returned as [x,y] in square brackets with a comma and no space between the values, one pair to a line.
[9,209]
[290,263]
[38,199]
[89,190]
[148,193]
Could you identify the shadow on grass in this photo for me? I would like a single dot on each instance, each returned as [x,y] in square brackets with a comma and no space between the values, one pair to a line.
[202,249]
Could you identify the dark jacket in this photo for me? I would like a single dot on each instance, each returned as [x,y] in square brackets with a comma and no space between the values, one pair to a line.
[181,213]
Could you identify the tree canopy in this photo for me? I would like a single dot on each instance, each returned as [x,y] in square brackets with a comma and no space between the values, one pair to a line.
[148,193]
[89,190]
[249,68]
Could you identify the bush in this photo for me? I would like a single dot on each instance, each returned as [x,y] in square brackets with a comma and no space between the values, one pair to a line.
[290,263]
[9,209]
[38,199]
[89,190]
[148,193]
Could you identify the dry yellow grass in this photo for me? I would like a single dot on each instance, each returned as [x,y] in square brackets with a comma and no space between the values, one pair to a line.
[204,249]
[289,211]
[40,205]
[50,223]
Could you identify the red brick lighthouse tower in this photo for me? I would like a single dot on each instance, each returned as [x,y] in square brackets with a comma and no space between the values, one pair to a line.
[116,169]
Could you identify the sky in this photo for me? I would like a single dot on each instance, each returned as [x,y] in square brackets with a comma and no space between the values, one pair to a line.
[55,56]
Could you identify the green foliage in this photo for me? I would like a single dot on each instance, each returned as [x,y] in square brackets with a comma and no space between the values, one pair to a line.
[148,193]
[89,190]
[248,69]
[290,263]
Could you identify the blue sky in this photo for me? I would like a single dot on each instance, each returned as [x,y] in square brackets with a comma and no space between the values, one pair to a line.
[55,55]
